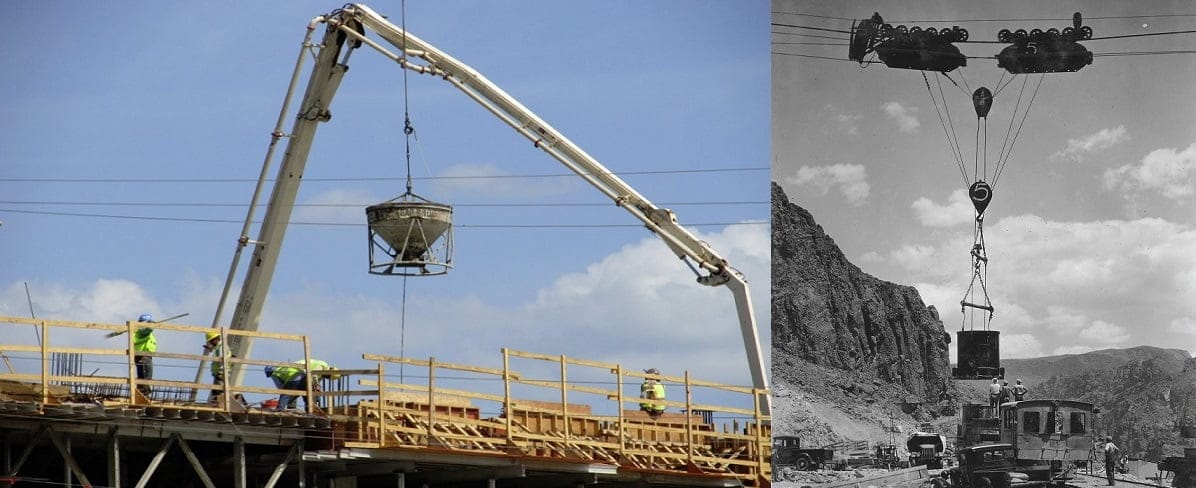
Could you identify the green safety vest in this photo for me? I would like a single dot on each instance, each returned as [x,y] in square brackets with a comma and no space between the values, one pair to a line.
[144,340]
[217,364]
[316,364]
[285,373]
[653,391]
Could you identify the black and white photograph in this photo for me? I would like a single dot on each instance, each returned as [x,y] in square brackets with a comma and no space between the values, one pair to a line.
[984,243]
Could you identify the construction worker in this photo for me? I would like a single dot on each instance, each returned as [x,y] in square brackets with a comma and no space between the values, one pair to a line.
[652,389]
[1111,457]
[215,347]
[1019,391]
[994,395]
[294,378]
[143,342]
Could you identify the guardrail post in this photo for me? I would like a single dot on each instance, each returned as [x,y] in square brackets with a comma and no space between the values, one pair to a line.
[689,422]
[46,364]
[381,406]
[619,409]
[565,398]
[759,432]
[506,387]
[431,396]
[310,401]
[224,372]
[132,363]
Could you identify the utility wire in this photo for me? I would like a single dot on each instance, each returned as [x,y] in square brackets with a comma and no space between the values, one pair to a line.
[338,224]
[1068,19]
[840,31]
[356,205]
[363,178]
[812,35]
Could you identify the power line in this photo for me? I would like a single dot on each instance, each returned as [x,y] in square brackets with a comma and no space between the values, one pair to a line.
[811,35]
[1067,19]
[340,224]
[1148,34]
[840,31]
[370,178]
[353,205]
[811,43]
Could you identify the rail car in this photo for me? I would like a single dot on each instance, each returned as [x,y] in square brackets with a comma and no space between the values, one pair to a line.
[1046,435]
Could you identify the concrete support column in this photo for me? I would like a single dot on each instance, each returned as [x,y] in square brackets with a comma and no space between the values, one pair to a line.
[239,463]
[114,477]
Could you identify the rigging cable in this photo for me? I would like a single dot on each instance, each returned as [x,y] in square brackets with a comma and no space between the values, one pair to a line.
[1003,161]
[955,152]
[408,132]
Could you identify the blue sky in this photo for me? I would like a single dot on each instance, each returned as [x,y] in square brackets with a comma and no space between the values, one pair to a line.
[152,120]
[1091,233]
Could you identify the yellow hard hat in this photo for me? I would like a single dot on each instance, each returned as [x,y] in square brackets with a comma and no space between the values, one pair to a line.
[334,376]
[211,335]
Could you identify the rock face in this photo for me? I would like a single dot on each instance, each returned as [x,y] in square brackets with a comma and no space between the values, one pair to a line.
[827,311]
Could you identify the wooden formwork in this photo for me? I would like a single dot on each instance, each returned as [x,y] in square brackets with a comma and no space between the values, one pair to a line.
[425,414]
[535,406]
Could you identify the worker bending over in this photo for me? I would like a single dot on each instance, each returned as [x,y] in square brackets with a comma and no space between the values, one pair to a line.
[294,378]
[652,389]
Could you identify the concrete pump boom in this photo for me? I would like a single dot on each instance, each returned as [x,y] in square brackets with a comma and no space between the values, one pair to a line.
[346,29]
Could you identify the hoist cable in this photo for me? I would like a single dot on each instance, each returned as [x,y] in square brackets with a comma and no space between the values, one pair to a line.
[950,123]
[954,147]
[952,80]
[408,130]
[1002,162]
[1009,131]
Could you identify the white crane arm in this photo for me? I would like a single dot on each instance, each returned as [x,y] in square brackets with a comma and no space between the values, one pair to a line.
[348,25]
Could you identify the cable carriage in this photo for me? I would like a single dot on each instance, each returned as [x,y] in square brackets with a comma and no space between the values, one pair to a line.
[1049,51]
[908,48]
[933,51]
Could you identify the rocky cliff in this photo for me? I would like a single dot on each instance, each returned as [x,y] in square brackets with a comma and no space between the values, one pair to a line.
[828,312]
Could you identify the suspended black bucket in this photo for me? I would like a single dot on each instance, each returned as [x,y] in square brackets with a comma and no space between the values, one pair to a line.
[410,237]
[978,354]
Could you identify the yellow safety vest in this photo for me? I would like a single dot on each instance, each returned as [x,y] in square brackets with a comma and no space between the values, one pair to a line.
[285,373]
[217,364]
[653,391]
[143,340]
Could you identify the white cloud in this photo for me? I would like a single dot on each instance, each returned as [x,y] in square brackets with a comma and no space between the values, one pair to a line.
[851,180]
[1185,325]
[1102,332]
[957,211]
[638,305]
[338,205]
[1167,171]
[906,117]
[841,122]
[488,180]
[1071,349]
[1064,319]
[1069,282]
[914,256]
[871,257]
[1020,346]
[1077,149]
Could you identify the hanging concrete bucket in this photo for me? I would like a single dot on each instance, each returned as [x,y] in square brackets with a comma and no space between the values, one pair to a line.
[979,355]
[414,236]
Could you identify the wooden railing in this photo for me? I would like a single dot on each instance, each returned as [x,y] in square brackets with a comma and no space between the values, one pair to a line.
[115,379]
[589,419]
[533,405]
